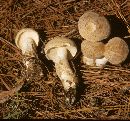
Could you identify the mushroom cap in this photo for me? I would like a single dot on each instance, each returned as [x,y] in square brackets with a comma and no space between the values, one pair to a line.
[92,50]
[93,27]
[58,42]
[25,35]
[116,50]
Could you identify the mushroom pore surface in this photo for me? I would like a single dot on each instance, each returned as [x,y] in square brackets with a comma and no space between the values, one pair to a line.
[93,27]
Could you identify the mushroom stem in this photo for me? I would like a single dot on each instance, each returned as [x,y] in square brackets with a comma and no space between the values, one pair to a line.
[66,75]
[101,62]
[88,61]
[29,48]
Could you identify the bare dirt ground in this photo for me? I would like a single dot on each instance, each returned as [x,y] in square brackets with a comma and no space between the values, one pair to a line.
[102,93]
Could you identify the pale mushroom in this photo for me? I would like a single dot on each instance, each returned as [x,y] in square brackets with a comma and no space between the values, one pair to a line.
[116,51]
[91,52]
[93,27]
[60,50]
[27,40]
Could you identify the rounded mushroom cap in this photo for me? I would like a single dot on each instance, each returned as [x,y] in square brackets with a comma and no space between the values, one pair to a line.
[58,42]
[93,27]
[92,50]
[116,50]
[26,35]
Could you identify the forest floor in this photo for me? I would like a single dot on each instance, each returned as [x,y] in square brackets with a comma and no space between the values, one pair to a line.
[102,93]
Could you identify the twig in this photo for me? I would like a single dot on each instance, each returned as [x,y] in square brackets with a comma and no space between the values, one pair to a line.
[10,44]
[4,95]
[5,84]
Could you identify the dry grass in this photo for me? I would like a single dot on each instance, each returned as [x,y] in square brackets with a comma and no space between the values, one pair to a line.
[102,93]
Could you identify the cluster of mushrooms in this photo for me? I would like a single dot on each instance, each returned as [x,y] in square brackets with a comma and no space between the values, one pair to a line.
[93,28]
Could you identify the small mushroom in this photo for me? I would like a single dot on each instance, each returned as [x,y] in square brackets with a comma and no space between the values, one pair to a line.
[116,50]
[60,50]
[93,27]
[91,52]
[27,40]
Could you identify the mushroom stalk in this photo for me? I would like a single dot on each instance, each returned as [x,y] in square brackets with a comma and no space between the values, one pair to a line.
[66,75]
[88,61]
[60,50]
[64,70]
[101,62]
[29,47]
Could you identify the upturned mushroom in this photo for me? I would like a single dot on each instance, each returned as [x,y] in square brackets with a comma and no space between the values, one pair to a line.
[27,40]
[93,27]
[60,50]
[91,52]
[116,51]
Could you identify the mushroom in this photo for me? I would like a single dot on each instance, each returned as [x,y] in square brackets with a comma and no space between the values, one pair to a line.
[27,40]
[93,27]
[91,52]
[116,50]
[60,50]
